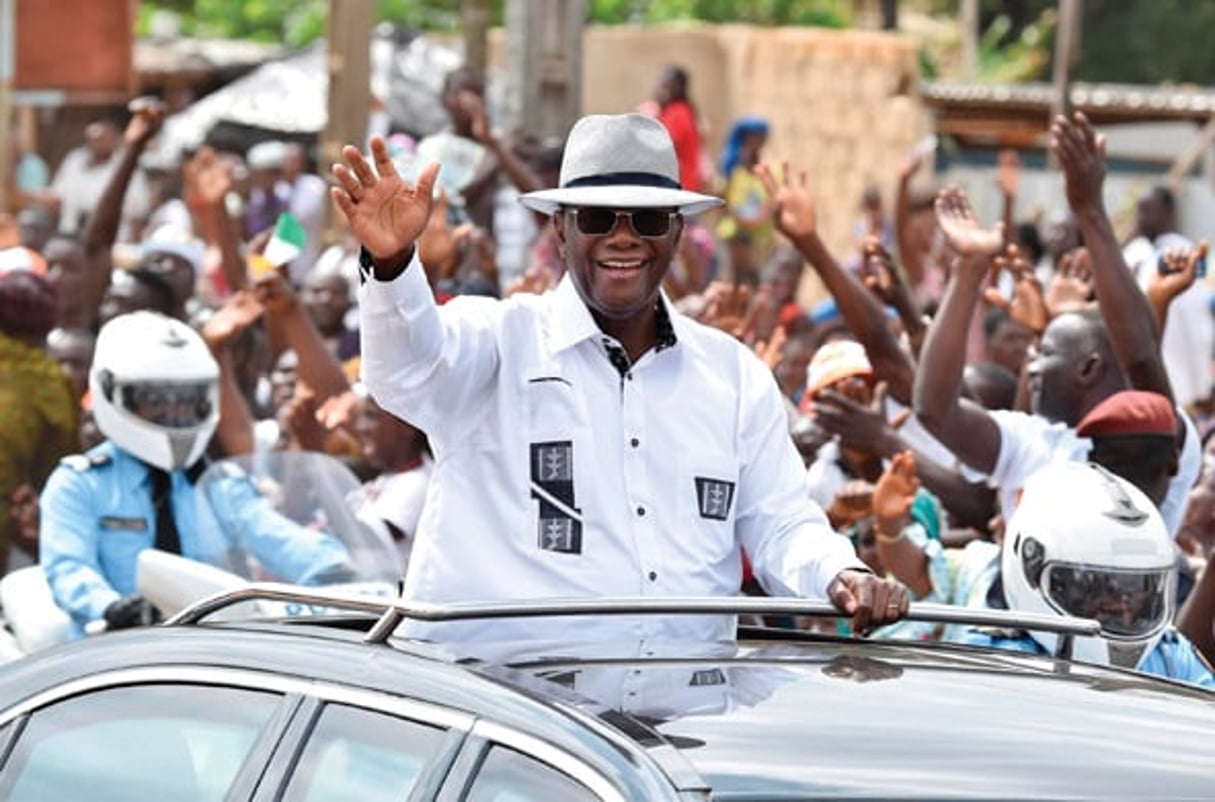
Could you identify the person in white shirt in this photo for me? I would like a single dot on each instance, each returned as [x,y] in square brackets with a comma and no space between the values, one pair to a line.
[590,441]
[84,174]
[1189,333]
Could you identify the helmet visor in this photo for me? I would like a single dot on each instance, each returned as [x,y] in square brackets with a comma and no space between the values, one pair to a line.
[172,405]
[1128,604]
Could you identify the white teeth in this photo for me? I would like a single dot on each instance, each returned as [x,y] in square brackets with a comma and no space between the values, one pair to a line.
[622,265]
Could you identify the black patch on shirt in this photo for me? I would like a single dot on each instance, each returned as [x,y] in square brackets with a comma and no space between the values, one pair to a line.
[714,496]
[112,523]
[709,676]
[552,480]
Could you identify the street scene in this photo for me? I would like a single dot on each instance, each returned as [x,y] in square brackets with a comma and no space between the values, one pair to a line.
[528,400]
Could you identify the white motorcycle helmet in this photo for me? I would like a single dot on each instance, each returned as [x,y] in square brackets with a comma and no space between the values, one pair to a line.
[155,389]
[1087,543]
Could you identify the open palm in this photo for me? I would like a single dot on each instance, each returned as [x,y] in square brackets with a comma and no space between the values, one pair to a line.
[385,213]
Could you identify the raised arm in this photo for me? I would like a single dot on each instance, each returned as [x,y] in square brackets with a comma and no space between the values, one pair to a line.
[515,168]
[965,429]
[796,218]
[1127,313]
[1181,268]
[102,228]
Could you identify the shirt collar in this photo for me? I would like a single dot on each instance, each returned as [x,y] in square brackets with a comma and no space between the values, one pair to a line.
[572,322]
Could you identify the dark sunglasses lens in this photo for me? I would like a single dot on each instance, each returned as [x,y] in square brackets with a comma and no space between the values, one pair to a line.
[651,222]
[595,222]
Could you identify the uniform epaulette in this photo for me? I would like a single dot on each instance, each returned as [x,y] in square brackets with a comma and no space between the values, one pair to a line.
[85,462]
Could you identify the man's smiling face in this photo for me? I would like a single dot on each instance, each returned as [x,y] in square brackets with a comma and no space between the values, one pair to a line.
[618,273]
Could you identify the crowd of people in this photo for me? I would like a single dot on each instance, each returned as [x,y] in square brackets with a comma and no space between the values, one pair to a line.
[584,368]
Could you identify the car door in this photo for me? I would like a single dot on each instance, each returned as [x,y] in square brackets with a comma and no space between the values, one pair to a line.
[136,735]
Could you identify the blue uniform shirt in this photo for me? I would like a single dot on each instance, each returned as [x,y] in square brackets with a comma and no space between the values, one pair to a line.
[1173,656]
[97,515]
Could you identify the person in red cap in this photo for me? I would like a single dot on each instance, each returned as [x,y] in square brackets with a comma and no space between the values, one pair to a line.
[1134,434]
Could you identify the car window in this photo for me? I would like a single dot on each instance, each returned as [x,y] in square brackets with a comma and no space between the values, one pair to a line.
[137,744]
[360,754]
[509,776]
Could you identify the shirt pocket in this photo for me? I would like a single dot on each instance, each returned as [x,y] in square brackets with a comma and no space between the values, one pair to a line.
[706,486]
[559,451]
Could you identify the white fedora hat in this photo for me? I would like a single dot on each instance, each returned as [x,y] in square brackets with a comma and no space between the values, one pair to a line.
[620,161]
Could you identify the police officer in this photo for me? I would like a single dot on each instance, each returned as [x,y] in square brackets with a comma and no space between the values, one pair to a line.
[1085,542]
[155,392]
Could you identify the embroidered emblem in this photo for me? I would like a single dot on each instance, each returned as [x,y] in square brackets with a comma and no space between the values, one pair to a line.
[559,528]
[714,497]
[709,676]
[561,534]
[553,462]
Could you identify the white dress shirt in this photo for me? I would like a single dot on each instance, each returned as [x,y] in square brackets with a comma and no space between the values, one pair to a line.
[557,476]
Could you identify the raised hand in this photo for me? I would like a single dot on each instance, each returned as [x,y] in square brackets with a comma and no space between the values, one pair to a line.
[536,280]
[792,205]
[237,314]
[860,426]
[881,275]
[769,350]
[1081,154]
[1028,304]
[894,494]
[439,244]
[1008,172]
[1179,273]
[148,115]
[474,106]
[853,502]
[385,213]
[727,307]
[209,176]
[962,228]
[1071,289]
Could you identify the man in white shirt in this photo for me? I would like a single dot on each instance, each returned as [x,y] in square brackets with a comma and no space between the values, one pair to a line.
[1189,333]
[591,441]
[84,174]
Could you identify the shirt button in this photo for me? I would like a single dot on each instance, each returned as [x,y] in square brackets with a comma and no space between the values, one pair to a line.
[634,442]
[629,375]
[653,576]
[641,511]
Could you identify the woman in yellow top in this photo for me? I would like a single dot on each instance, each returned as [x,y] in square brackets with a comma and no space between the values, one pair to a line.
[747,227]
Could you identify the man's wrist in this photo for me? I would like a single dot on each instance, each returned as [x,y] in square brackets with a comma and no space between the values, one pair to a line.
[385,268]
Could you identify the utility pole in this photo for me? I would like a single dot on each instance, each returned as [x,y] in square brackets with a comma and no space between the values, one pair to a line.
[1067,51]
[969,23]
[544,58]
[474,20]
[8,68]
[348,43]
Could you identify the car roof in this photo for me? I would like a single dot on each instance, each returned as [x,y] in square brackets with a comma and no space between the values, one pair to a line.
[809,717]
[777,715]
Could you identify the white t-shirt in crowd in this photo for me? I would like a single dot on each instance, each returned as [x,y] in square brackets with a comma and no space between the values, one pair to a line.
[1189,330]
[1029,442]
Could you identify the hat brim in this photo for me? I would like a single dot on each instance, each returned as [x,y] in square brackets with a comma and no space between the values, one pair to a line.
[548,201]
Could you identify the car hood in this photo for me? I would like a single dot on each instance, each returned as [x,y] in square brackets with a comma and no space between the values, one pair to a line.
[864,719]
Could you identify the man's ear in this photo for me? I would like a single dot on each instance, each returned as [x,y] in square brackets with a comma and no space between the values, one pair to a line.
[1091,369]
[679,228]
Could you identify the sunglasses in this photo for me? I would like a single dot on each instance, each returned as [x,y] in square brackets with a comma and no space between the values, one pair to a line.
[594,221]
